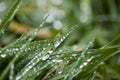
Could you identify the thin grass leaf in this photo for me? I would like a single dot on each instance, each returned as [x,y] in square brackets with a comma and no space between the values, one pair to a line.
[49,49]
[21,40]
[5,72]
[78,62]
[112,42]
[98,57]
[19,53]
[9,16]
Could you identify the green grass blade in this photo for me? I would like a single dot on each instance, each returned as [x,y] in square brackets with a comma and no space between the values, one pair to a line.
[50,48]
[78,62]
[10,15]
[112,42]
[98,57]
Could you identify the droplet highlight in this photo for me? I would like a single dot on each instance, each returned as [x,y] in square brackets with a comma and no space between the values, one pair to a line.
[2,7]
[45,57]
[3,55]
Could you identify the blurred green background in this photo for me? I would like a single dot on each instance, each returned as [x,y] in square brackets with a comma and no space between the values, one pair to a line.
[98,18]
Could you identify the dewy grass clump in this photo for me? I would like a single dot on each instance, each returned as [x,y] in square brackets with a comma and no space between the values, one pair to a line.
[25,59]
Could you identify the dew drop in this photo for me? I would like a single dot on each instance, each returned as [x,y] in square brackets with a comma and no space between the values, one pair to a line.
[59,72]
[45,57]
[85,63]
[82,55]
[44,48]
[60,50]
[3,55]
[81,66]
[57,43]
[67,61]
[29,49]
[37,53]
[78,59]
[57,60]
[34,69]
[29,67]
[57,56]
[50,51]
[90,59]
[89,52]
[48,44]
[74,55]
[62,39]
[71,57]
[18,77]
[3,31]
[16,49]
[75,47]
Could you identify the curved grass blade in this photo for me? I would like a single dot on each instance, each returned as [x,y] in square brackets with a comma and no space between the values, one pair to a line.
[79,61]
[19,53]
[98,57]
[34,48]
[50,48]
[24,38]
[34,61]
[60,38]
[7,50]
[5,72]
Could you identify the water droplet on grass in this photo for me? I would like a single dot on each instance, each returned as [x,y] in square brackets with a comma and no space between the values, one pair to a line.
[60,50]
[44,48]
[48,44]
[85,63]
[18,77]
[3,55]
[15,49]
[71,57]
[57,43]
[90,59]
[59,72]
[74,55]
[34,69]
[3,31]
[45,57]
[57,56]
[55,60]
[81,66]
[50,51]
